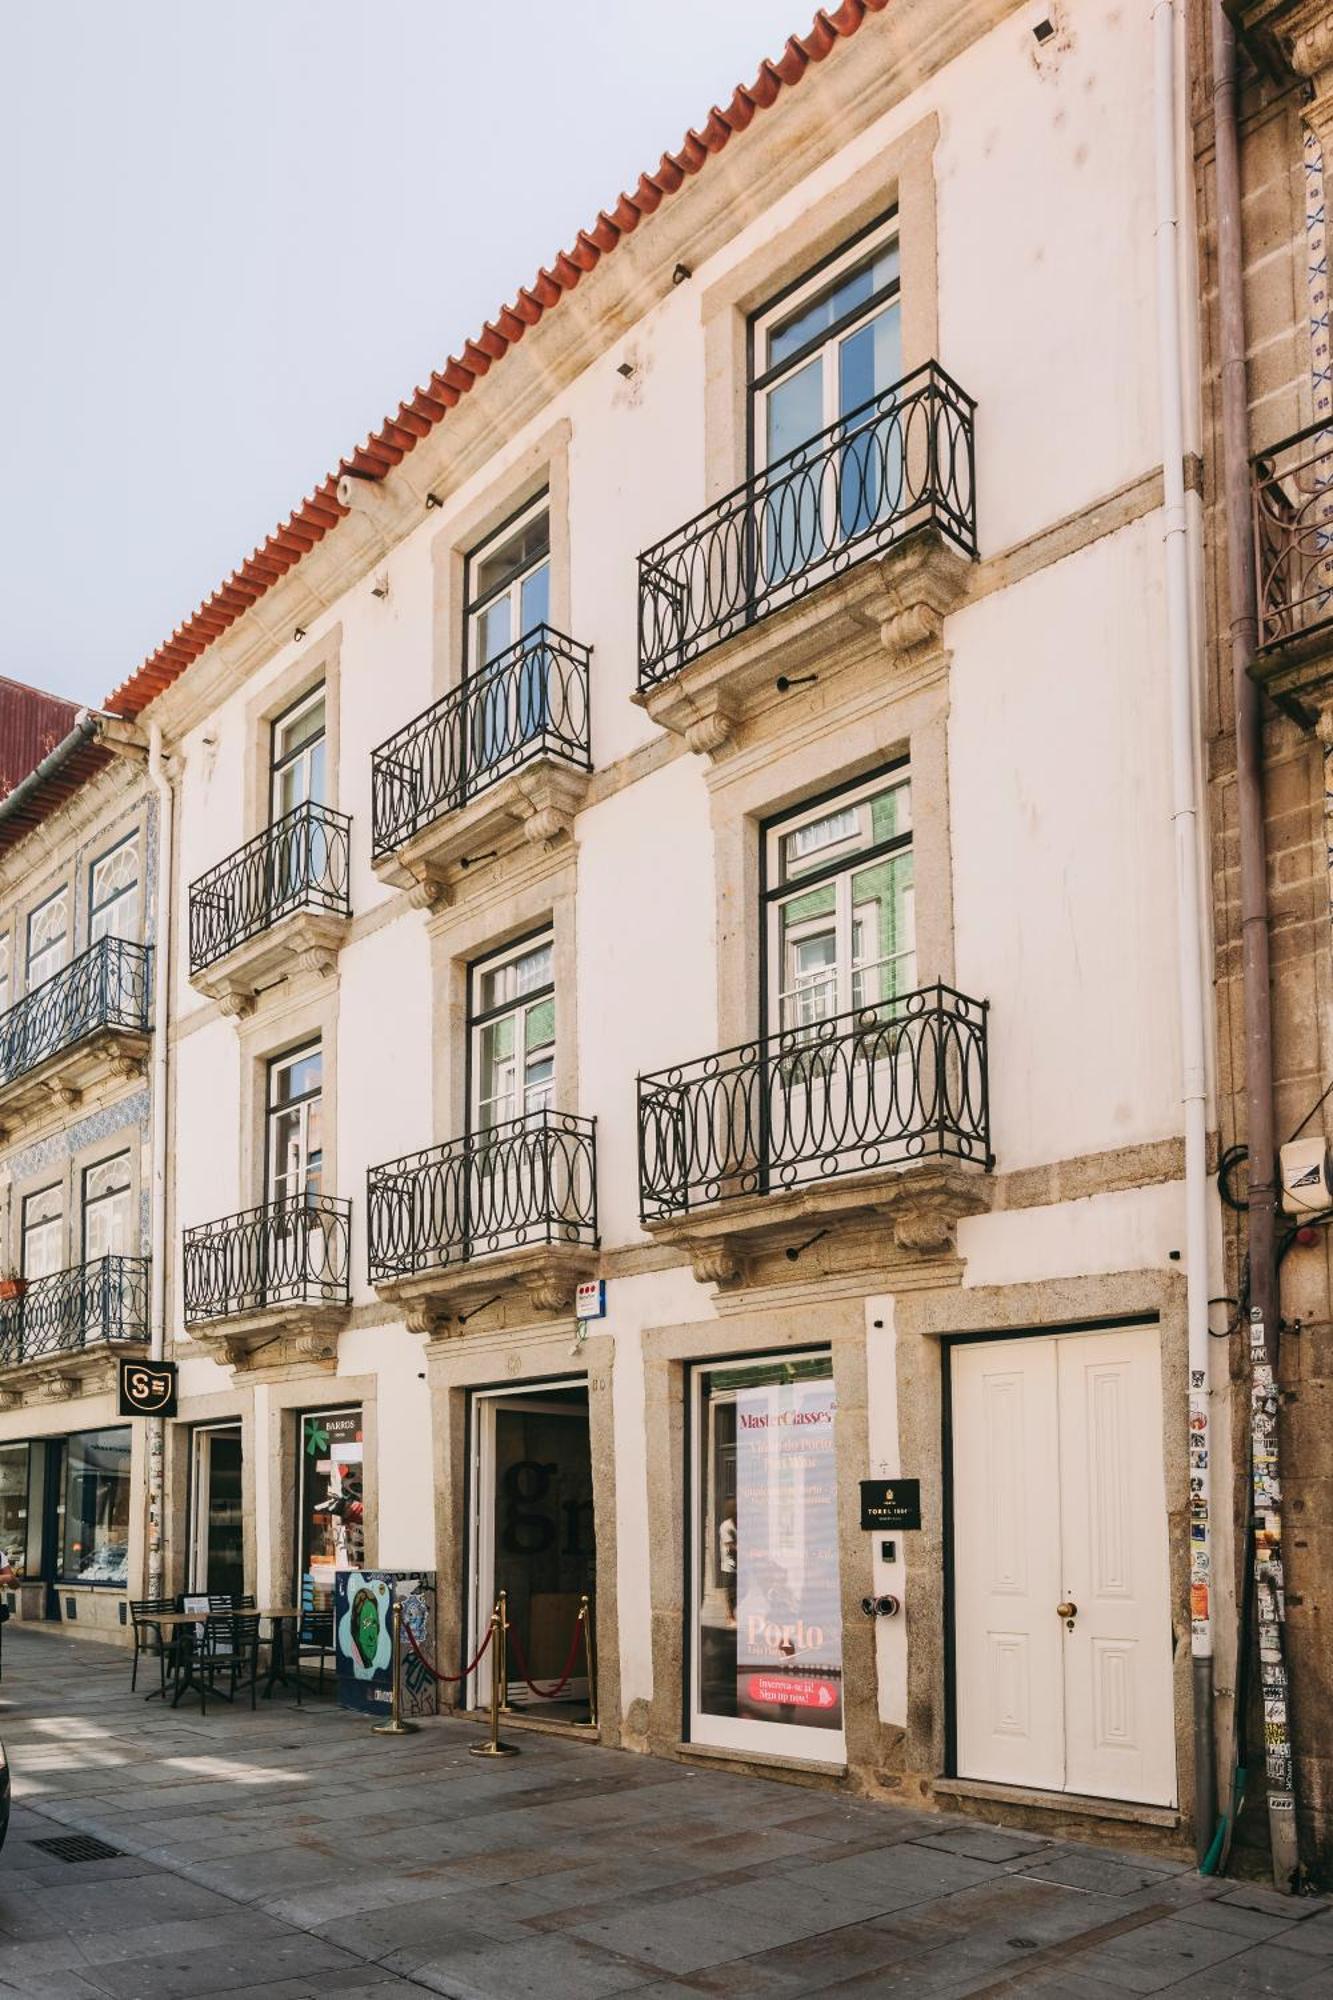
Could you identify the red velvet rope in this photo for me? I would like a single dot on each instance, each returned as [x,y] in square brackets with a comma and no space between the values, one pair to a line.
[547,1694]
[434,1672]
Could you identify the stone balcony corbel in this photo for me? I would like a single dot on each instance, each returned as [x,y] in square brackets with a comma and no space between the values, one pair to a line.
[512,1286]
[305,942]
[532,807]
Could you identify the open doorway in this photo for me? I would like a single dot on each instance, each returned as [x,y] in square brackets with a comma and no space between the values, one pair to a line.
[533,1538]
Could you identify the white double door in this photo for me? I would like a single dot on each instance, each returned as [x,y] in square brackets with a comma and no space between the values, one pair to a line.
[1062,1616]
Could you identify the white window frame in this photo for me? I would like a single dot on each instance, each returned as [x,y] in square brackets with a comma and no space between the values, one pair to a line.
[280,762]
[54,1223]
[118,898]
[517,1009]
[518,524]
[200,1481]
[275,1112]
[59,944]
[98,1203]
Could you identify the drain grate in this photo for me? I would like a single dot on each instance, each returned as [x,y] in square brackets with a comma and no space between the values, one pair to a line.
[77,1847]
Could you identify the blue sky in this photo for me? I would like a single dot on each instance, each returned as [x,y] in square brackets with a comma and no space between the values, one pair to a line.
[235,234]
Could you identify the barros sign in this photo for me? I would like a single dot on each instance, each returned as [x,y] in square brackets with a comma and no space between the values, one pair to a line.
[147,1388]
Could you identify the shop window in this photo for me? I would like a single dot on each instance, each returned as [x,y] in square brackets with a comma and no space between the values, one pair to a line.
[766,1637]
[94,1529]
[113,894]
[14,1504]
[48,938]
[333,1518]
[512,1034]
[43,1229]
[841,918]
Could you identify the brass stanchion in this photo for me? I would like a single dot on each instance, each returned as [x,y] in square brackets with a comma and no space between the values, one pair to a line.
[395,1726]
[502,1606]
[590,1655]
[493,1747]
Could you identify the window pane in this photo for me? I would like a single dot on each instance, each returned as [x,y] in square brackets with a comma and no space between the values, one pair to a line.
[493,629]
[795,410]
[883,931]
[47,929]
[527,545]
[535,599]
[769,1629]
[296,1077]
[14,1504]
[297,730]
[107,1177]
[837,830]
[517,976]
[869,361]
[539,1025]
[841,297]
[97,1508]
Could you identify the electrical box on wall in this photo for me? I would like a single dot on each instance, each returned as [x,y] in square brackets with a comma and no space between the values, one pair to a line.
[1307,1182]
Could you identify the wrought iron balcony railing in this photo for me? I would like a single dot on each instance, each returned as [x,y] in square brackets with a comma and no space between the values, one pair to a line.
[291,1252]
[104,988]
[887,1086]
[530,701]
[901,462]
[1292,495]
[91,1305]
[300,862]
[531,1180]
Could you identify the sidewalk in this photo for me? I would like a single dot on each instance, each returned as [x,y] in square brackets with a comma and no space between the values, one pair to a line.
[293,1853]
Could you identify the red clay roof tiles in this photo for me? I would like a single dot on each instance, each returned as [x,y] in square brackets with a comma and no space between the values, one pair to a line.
[320,512]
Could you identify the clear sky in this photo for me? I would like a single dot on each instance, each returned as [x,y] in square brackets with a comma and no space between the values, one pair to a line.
[236,232]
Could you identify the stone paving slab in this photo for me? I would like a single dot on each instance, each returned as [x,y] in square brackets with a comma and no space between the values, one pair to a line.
[290,1854]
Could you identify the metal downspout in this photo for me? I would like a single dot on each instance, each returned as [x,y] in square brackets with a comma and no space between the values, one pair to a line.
[157,1315]
[1180,636]
[1260,1135]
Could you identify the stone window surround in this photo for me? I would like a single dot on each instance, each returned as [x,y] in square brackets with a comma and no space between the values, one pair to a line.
[74,874]
[544,463]
[290,1020]
[747,793]
[299,678]
[67,1173]
[462,936]
[901,174]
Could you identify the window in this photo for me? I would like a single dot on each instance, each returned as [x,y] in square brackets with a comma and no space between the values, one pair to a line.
[43,1226]
[106,1209]
[765,1608]
[113,894]
[508,600]
[333,1516]
[294,1147]
[821,356]
[298,769]
[5,957]
[512,1032]
[841,933]
[48,937]
[14,1504]
[94,1529]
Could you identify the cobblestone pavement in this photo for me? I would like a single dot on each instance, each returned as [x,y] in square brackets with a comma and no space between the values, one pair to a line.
[293,1853]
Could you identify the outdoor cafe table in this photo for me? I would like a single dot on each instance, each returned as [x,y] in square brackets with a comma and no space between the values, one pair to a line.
[184,1622]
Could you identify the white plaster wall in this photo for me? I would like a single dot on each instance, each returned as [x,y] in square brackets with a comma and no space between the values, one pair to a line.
[1134,1230]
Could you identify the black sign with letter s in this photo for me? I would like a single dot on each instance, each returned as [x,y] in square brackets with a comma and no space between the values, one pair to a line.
[147,1388]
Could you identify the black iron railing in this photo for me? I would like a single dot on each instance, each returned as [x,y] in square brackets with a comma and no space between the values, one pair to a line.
[531,1180]
[530,701]
[1291,491]
[104,988]
[291,1252]
[300,862]
[886,1086]
[901,462]
[91,1305]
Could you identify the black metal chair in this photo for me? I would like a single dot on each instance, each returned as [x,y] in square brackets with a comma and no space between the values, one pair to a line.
[150,1639]
[231,1654]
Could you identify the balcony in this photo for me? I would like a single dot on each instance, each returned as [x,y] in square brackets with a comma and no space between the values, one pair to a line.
[515,1205]
[501,760]
[276,1276]
[60,1333]
[862,535]
[86,1024]
[277,906]
[829,1130]
[1291,492]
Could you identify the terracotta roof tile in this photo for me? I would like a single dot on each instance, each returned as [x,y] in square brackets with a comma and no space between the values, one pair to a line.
[320,512]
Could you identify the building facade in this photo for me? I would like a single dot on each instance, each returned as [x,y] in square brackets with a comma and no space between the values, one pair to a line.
[685,826]
[77,889]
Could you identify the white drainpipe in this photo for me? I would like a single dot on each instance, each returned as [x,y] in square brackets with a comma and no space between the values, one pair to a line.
[157,1317]
[1167,113]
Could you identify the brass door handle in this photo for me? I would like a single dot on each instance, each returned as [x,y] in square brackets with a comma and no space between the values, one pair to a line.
[1066,1611]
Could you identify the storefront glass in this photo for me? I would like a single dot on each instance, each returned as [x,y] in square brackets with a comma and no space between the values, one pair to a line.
[333,1524]
[767,1649]
[14,1504]
[218,1554]
[95,1528]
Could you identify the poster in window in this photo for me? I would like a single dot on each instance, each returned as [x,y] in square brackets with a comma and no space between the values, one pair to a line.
[788,1613]
[334,1528]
